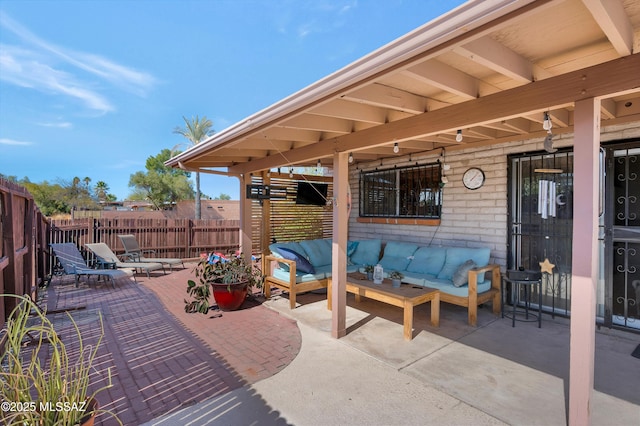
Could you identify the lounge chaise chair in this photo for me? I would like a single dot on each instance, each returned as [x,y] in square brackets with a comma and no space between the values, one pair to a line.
[108,258]
[74,264]
[132,249]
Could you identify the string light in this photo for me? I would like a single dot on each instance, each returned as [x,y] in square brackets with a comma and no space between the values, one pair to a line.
[319,164]
[396,148]
[291,172]
[350,157]
[459,136]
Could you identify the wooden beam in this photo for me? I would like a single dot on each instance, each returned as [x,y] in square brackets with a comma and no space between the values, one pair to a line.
[348,110]
[387,97]
[319,123]
[497,57]
[615,23]
[603,80]
[446,78]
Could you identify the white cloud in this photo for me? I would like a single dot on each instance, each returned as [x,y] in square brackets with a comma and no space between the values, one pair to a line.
[57,124]
[5,141]
[26,69]
[49,68]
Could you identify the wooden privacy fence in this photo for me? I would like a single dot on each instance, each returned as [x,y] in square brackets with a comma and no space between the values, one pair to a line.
[183,238]
[22,232]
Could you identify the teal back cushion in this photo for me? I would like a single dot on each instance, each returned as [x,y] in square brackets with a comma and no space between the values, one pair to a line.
[318,251]
[428,260]
[456,256]
[367,252]
[397,256]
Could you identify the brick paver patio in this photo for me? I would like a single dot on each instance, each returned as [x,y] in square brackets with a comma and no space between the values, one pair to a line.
[161,358]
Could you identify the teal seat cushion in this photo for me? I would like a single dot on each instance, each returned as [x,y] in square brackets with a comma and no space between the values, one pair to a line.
[318,251]
[367,252]
[283,275]
[397,256]
[446,286]
[428,260]
[456,256]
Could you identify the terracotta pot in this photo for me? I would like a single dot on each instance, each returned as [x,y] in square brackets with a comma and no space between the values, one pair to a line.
[229,297]
[92,407]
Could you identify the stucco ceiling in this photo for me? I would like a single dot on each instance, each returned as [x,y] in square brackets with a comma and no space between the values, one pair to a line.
[488,68]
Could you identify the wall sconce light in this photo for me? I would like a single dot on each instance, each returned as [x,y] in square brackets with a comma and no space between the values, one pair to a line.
[459,136]
[547,124]
[396,148]
[350,157]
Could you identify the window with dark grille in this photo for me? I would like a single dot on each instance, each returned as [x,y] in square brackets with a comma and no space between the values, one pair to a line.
[401,192]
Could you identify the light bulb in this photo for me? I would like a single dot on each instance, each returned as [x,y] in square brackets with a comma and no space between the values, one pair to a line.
[291,172]
[459,136]
[351,157]
[546,124]
[319,164]
[396,148]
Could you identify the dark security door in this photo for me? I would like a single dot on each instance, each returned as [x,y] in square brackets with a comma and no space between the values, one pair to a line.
[540,198]
[622,236]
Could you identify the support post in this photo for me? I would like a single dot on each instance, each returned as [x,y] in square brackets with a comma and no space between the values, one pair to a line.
[245,218]
[339,247]
[584,260]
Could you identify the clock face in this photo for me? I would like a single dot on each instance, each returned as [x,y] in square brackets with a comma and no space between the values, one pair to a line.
[473,178]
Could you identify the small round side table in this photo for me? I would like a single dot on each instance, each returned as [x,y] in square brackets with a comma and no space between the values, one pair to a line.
[519,281]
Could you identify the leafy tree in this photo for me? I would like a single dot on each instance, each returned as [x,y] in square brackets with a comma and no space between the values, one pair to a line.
[223,197]
[161,185]
[196,130]
[50,199]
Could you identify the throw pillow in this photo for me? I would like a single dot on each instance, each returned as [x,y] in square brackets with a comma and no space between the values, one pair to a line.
[302,264]
[461,275]
[351,247]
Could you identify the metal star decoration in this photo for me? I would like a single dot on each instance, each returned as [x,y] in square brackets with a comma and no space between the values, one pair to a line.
[547,266]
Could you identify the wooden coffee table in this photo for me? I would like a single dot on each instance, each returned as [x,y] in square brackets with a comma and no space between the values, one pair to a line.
[406,296]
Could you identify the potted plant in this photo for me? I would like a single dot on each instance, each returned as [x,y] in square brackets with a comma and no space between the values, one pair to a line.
[43,381]
[396,277]
[227,279]
[368,269]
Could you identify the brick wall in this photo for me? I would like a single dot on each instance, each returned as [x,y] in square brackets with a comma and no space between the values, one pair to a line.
[469,218]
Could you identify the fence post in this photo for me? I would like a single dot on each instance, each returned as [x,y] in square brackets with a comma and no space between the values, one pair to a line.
[189,239]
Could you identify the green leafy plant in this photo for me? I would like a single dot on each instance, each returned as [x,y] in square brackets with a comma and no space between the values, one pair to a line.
[42,383]
[368,268]
[224,271]
[396,275]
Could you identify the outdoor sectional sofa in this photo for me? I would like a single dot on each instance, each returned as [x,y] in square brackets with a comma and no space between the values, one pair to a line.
[458,272]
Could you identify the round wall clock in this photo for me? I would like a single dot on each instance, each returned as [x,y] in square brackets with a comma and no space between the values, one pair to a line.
[473,178]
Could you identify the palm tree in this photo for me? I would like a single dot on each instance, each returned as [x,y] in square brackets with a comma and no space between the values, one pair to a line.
[196,131]
[101,190]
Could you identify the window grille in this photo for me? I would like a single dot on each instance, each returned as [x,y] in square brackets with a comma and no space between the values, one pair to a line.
[401,192]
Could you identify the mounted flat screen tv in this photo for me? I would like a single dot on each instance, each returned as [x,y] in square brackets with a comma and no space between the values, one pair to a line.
[314,194]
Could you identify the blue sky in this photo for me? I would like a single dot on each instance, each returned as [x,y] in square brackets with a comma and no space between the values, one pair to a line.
[93,88]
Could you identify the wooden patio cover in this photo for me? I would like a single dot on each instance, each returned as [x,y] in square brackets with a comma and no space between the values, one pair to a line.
[490,68]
